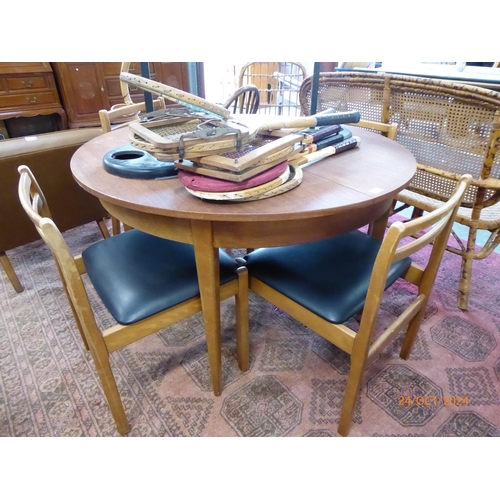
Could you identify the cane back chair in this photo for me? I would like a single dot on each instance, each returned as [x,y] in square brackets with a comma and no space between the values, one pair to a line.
[146,283]
[325,283]
[452,129]
[278,83]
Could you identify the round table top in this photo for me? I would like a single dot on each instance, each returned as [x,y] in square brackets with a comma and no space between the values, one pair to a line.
[376,170]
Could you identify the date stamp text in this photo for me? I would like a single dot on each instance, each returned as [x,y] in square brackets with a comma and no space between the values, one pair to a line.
[433,400]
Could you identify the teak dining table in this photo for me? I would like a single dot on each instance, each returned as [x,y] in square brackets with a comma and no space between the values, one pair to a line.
[338,194]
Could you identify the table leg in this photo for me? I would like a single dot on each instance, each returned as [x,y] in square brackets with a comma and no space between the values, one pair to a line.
[207,265]
[378,226]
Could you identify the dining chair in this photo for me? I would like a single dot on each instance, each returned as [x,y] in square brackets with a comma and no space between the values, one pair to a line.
[325,283]
[278,83]
[119,116]
[147,283]
[245,100]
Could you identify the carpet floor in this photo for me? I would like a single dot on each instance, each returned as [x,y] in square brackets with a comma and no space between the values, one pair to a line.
[295,385]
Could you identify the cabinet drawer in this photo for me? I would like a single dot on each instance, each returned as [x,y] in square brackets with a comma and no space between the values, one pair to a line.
[26,100]
[28,83]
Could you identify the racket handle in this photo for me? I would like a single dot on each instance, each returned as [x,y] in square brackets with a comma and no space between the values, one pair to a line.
[351,143]
[323,132]
[337,118]
[311,121]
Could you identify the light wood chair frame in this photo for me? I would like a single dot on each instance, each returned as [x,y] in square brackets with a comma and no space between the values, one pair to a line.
[101,343]
[361,346]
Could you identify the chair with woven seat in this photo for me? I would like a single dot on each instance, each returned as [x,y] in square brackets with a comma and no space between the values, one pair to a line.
[278,83]
[147,283]
[325,283]
[451,128]
[244,100]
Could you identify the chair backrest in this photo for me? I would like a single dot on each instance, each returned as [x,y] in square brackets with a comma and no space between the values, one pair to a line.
[451,128]
[278,83]
[121,114]
[244,100]
[35,205]
[400,242]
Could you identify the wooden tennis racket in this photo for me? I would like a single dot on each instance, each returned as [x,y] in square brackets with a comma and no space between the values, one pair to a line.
[175,95]
[263,123]
[290,179]
[209,130]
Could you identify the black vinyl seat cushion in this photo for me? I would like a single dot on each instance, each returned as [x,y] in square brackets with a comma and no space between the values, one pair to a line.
[137,275]
[330,277]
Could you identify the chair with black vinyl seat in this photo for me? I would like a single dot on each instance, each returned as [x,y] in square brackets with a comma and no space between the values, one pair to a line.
[325,283]
[244,100]
[147,283]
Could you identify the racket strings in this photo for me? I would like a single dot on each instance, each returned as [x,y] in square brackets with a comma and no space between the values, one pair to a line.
[248,148]
[176,131]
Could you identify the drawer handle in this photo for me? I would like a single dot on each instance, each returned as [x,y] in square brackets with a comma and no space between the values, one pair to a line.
[32,100]
[133,89]
[27,83]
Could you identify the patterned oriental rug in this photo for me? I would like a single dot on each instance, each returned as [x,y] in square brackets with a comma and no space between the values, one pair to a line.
[49,387]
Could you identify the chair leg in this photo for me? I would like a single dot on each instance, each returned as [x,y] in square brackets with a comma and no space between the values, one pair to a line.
[351,394]
[242,335]
[466,271]
[411,333]
[11,274]
[108,382]
[115,226]
[103,228]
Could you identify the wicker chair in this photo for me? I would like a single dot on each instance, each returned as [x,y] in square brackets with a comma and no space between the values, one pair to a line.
[278,83]
[452,129]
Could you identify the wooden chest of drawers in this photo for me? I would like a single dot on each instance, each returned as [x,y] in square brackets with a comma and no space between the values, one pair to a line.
[28,89]
[88,87]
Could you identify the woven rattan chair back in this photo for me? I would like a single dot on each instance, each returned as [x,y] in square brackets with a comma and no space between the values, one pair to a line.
[278,83]
[452,129]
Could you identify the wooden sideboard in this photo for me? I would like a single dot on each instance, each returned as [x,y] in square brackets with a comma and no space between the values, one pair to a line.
[87,87]
[28,89]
